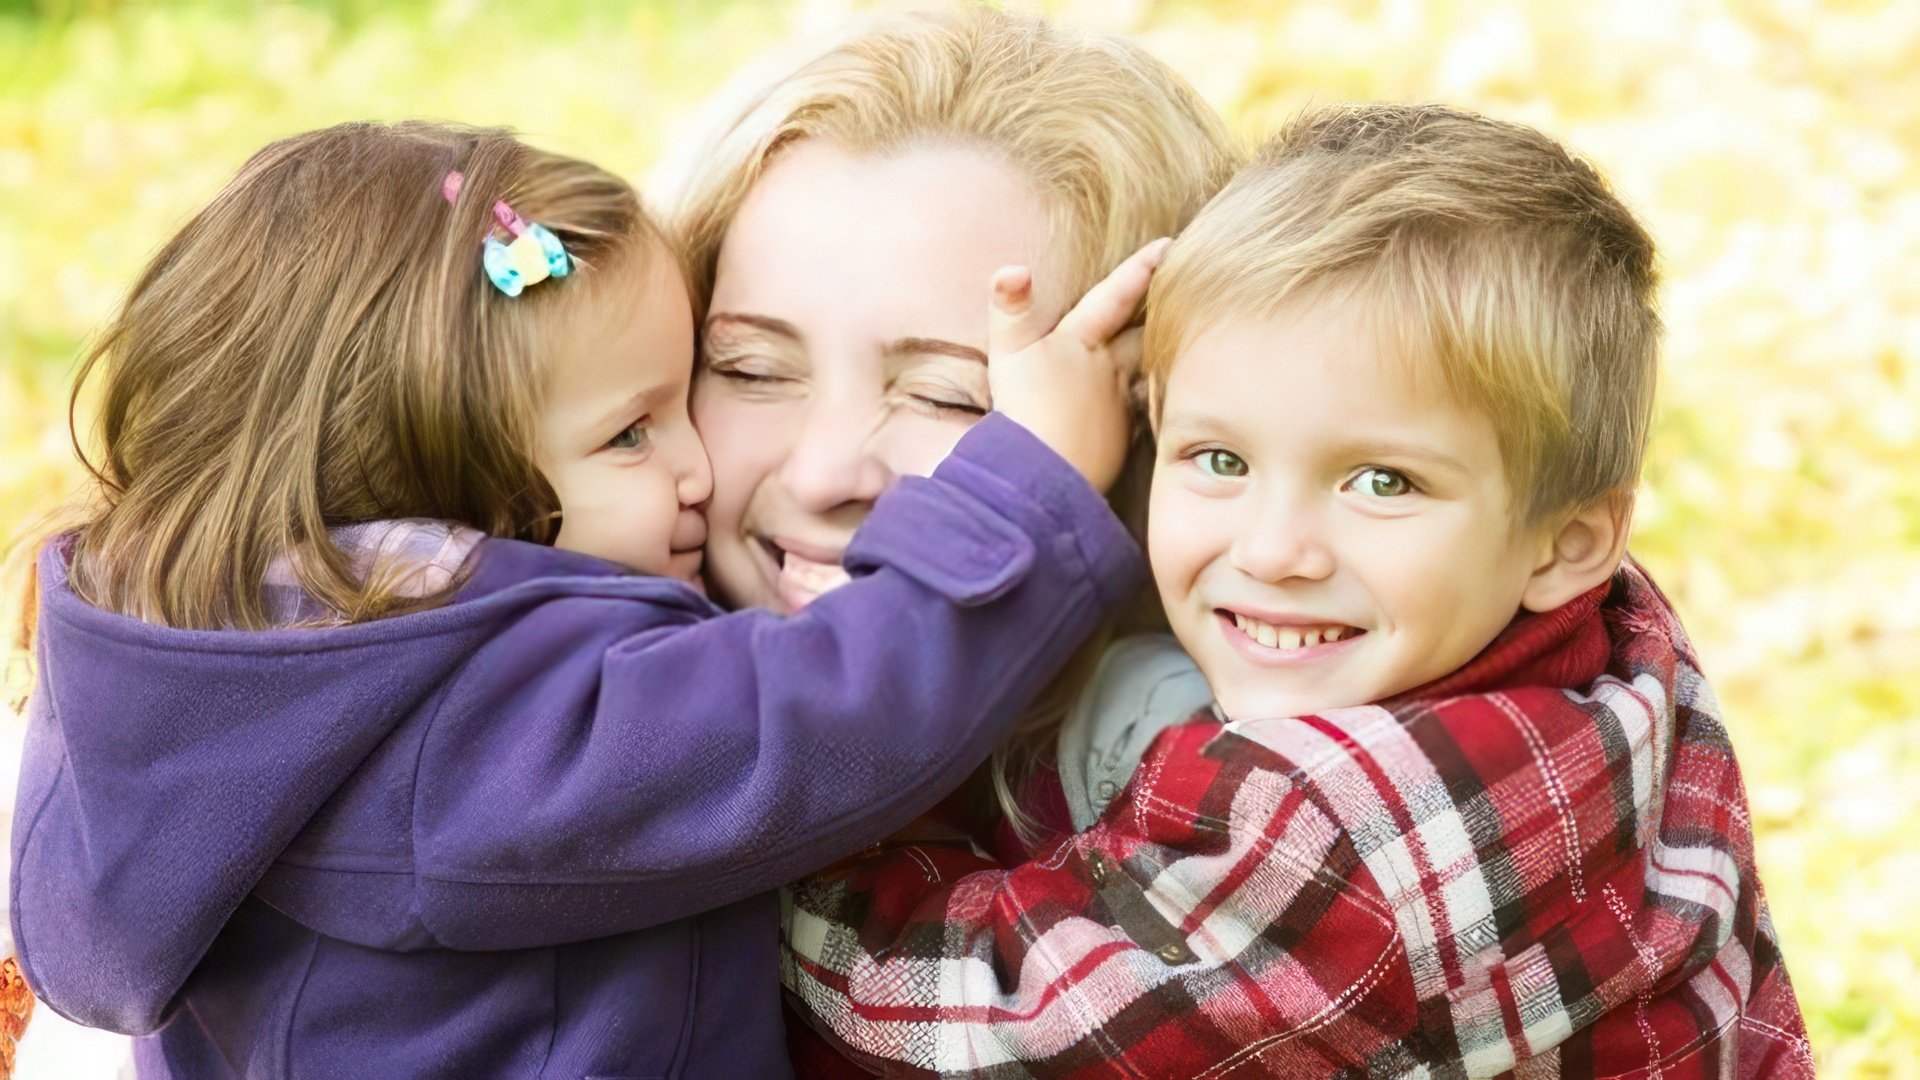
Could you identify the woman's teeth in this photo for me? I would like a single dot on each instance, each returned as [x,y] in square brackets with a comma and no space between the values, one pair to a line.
[811,577]
[1289,637]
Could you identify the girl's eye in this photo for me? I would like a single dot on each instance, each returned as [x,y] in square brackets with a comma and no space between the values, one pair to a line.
[632,437]
[1224,463]
[1381,483]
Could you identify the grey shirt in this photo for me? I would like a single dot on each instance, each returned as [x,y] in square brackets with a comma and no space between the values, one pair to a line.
[1144,685]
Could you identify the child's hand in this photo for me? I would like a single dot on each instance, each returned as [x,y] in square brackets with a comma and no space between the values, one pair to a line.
[1069,386]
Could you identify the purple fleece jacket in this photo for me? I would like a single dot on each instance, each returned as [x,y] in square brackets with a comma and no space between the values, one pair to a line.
[530,833]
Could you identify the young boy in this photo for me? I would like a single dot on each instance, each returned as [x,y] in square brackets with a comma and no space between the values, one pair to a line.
[1471,810]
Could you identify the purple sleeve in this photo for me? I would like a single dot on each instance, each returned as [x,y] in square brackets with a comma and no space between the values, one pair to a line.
[724,757]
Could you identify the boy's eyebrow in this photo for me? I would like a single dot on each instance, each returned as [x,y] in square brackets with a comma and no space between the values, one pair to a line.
[919,346]
[760,322]
[1390,448]
[1197,423]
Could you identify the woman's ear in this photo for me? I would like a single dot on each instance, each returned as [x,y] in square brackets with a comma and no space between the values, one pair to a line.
[1583,552]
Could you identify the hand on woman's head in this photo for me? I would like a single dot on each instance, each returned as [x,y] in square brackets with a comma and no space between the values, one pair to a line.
[1069,382]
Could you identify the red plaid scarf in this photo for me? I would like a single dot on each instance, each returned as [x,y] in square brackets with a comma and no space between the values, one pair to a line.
[1541,865]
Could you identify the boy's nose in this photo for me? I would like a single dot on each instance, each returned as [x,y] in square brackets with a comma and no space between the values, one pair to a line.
[1282,544]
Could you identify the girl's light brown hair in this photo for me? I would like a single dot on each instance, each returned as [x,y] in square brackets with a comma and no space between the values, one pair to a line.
[1120,147]
[319,346]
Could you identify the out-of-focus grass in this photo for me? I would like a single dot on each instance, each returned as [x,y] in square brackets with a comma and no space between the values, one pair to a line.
[1771,147]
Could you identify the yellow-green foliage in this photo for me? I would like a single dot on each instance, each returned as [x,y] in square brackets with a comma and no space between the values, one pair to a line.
[1770,145]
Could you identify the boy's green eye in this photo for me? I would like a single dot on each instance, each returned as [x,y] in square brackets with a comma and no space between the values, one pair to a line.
[1222,463]
[632,437]
[1382,483]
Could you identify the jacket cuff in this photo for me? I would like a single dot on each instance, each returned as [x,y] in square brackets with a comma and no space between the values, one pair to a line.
[970,530]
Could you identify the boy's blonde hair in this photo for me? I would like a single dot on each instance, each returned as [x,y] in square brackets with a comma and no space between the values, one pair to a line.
[320,346]
[1119,146]
[1487,251]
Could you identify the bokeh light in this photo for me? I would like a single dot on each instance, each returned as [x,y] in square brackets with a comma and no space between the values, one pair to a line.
[1773,146]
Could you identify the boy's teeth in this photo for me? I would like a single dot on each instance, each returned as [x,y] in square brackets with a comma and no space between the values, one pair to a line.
[1287,637]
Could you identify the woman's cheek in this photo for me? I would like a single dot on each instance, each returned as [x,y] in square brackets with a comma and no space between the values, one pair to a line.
[912,444]
[743,441]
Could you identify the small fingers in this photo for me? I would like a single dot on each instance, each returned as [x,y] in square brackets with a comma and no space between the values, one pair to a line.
[1109,306]
[1010,318]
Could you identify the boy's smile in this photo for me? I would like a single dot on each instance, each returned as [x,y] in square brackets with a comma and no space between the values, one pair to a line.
[1328,526]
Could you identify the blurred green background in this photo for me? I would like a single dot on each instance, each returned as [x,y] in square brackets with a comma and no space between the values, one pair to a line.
[1771,145]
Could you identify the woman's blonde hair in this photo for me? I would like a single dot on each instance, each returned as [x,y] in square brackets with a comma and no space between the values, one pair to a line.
[1119,146]
[320,346]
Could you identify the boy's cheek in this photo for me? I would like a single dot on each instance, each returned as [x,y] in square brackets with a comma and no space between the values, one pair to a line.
[1181,536]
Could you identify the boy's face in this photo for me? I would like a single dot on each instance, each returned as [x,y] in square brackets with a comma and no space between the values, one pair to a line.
[1324,531]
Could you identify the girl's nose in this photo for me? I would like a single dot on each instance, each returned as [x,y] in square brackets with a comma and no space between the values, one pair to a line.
[693,481]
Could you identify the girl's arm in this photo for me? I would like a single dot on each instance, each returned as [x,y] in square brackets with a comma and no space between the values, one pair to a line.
[721,758]
[604,779]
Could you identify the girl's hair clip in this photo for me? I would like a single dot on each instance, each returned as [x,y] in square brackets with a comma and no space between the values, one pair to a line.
[534,255]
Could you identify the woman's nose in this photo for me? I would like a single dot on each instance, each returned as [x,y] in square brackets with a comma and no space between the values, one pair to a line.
[833,462]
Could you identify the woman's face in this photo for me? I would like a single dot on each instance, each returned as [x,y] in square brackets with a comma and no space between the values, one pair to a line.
[846,346]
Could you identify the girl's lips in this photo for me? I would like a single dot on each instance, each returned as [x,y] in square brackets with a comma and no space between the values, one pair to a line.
[689,532]
[1271,656]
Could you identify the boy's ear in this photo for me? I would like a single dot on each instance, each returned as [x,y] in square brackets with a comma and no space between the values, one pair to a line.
[1583,552]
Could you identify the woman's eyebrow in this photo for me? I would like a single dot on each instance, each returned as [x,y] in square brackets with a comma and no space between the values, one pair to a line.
[761,322]
[920,346]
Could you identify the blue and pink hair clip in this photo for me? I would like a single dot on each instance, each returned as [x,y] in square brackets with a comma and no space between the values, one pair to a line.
[534,255]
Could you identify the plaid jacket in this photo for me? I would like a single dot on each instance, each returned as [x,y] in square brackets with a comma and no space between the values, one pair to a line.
[1541,865]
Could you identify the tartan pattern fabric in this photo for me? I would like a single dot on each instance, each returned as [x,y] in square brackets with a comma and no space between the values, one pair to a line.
[411,557]
[1496,875]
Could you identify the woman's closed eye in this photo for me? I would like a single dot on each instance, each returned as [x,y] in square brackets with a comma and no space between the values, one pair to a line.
[743,374]
[734,366]
[948,405]
[752,375]
[943,397]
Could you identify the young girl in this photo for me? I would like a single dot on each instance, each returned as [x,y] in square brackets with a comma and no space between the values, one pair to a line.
[360,748]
